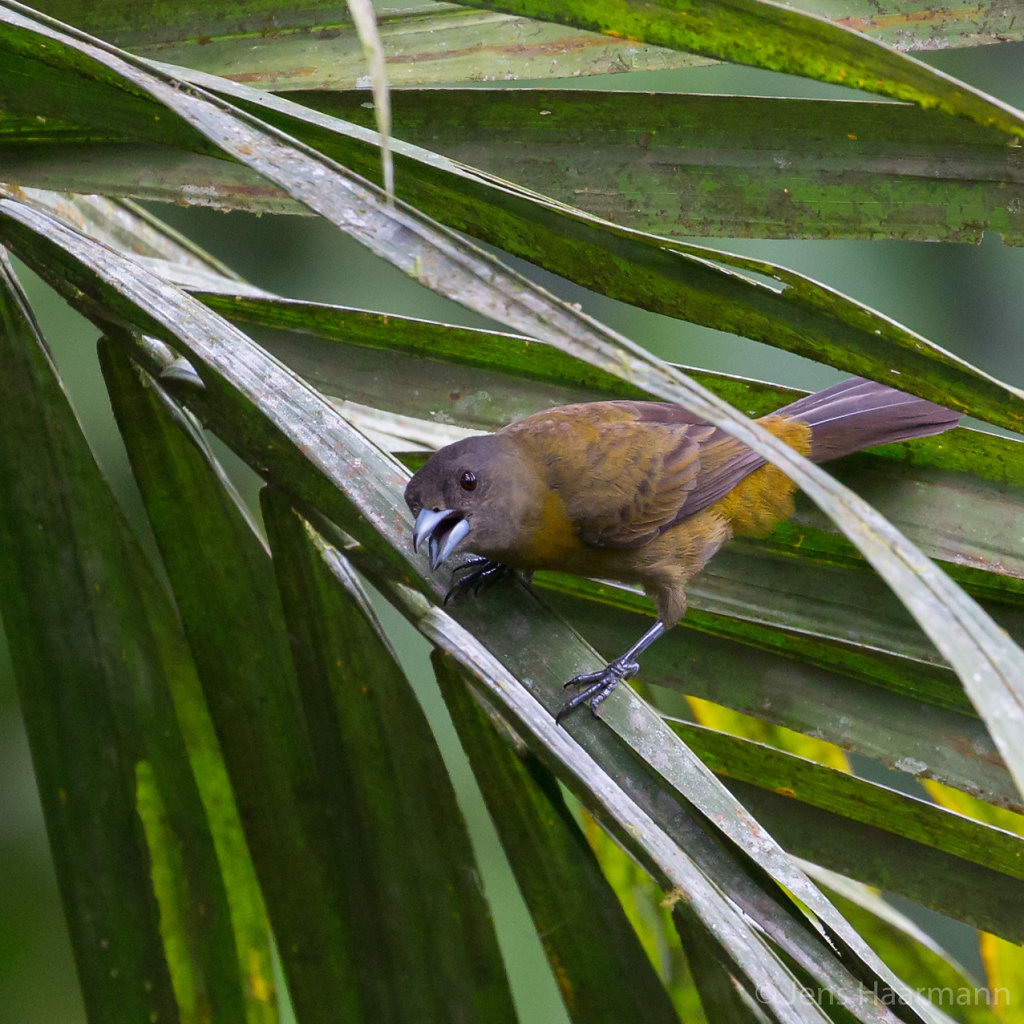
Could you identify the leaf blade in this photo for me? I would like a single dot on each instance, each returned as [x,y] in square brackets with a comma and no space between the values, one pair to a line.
[672,164]
[386,781]
[779,38]
[94,690]
[247,680]
[557,873]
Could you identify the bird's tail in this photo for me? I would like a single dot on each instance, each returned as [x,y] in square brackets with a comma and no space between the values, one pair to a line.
[857,414]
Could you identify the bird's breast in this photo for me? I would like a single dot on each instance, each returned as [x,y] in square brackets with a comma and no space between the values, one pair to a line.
[547,538]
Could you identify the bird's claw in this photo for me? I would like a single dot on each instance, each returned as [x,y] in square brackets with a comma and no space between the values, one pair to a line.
[478,572]
[597,686]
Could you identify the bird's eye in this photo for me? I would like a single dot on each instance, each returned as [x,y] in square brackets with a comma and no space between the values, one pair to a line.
[468,481]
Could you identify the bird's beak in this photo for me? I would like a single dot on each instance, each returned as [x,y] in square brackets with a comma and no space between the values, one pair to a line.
[444,529]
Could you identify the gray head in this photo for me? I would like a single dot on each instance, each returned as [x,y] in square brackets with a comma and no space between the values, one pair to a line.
[477,488]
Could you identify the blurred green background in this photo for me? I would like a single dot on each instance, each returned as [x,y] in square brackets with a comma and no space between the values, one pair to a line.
[968,299]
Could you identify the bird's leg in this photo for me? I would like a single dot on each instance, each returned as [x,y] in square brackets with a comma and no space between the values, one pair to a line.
[480,571]
[599,684]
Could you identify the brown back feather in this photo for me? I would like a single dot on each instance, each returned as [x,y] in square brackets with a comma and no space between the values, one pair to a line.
[632,470]
[847,417]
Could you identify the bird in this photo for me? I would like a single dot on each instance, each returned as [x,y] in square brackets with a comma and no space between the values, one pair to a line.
[640,492]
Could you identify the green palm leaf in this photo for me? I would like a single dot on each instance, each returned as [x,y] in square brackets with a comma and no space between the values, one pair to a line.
[347,830]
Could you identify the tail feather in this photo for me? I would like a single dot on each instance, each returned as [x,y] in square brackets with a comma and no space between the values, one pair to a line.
[858,413]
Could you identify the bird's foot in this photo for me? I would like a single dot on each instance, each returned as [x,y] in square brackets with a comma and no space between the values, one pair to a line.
[598,685]
[479,571]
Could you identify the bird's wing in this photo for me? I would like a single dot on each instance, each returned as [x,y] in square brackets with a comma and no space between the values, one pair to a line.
[626,471]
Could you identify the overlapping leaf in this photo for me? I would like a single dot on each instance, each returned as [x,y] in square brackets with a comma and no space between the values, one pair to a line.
[685,281]
[689,165]
[98,653]
[779,38]
[315,46]
[338,350]
[293,444]
[303,435]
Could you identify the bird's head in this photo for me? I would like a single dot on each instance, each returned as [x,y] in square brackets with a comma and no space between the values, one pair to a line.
[475,490]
